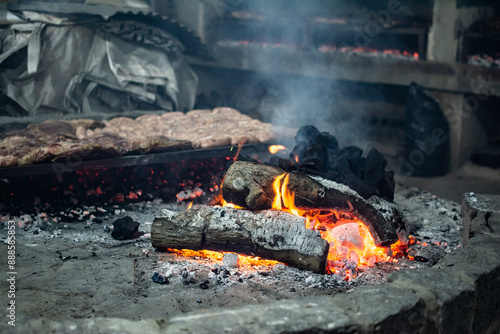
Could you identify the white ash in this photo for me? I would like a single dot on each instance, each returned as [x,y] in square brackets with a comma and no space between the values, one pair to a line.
[334,185]
[428,216]
[230,260]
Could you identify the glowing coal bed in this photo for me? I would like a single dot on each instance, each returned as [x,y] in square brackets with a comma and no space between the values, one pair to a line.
[76,188]
[325,48]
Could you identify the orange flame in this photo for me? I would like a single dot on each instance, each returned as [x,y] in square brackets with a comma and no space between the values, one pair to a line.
[348,237]
[217,256]
[276,187]
[276,148]
[190,206]
[229,205]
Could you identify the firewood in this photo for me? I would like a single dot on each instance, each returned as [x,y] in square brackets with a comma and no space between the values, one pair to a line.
[250,185]
[270,234]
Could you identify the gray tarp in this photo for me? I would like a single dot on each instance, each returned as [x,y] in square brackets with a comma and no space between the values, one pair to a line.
[98,66]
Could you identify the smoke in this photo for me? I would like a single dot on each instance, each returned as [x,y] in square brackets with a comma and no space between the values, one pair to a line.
[296,100]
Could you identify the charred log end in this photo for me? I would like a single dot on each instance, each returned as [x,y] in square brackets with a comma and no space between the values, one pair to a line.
[298,259]
[387,223]
[249,185]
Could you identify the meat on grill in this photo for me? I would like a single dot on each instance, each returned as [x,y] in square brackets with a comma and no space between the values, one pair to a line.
[86,139]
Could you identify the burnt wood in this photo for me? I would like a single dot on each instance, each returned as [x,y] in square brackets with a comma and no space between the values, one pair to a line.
[250,185]
[269,234]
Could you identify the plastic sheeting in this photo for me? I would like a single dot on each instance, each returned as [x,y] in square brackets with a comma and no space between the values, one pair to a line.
[92,66]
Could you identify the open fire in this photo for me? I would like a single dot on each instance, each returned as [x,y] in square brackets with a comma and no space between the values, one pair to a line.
[354,231]
[351,246]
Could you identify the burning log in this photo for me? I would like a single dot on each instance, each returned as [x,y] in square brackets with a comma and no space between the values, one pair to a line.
[250,185]
[269,234]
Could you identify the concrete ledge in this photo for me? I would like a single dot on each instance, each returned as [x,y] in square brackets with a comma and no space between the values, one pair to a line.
[384,309]
[445,296]
[84,326]
[481,263]
[319,314]
[481,214]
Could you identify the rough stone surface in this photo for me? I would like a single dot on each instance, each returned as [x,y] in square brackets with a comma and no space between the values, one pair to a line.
[480,262]
[84,326]
[481,214]
[311,315]
[385,309]
[449,300]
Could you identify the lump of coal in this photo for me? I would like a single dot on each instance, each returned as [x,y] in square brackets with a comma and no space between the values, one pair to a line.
[124,228]
[318,153]
[159,278]
[204,285]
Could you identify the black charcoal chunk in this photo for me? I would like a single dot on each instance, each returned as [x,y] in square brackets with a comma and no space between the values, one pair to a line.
[190,281]
[184,274]
[124,228]
[419,258]
[318,153]
[204,285]
[159,278]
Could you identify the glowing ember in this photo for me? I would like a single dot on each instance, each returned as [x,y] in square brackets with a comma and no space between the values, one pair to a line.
[217,256]
[229,205]
[276,148]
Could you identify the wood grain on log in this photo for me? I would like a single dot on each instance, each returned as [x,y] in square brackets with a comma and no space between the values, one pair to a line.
[250,185]
[269,234]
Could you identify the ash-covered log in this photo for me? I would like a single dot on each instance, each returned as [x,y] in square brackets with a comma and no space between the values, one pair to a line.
[250,185]
[269,234]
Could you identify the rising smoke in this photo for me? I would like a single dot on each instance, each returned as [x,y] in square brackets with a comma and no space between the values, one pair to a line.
[296,100]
